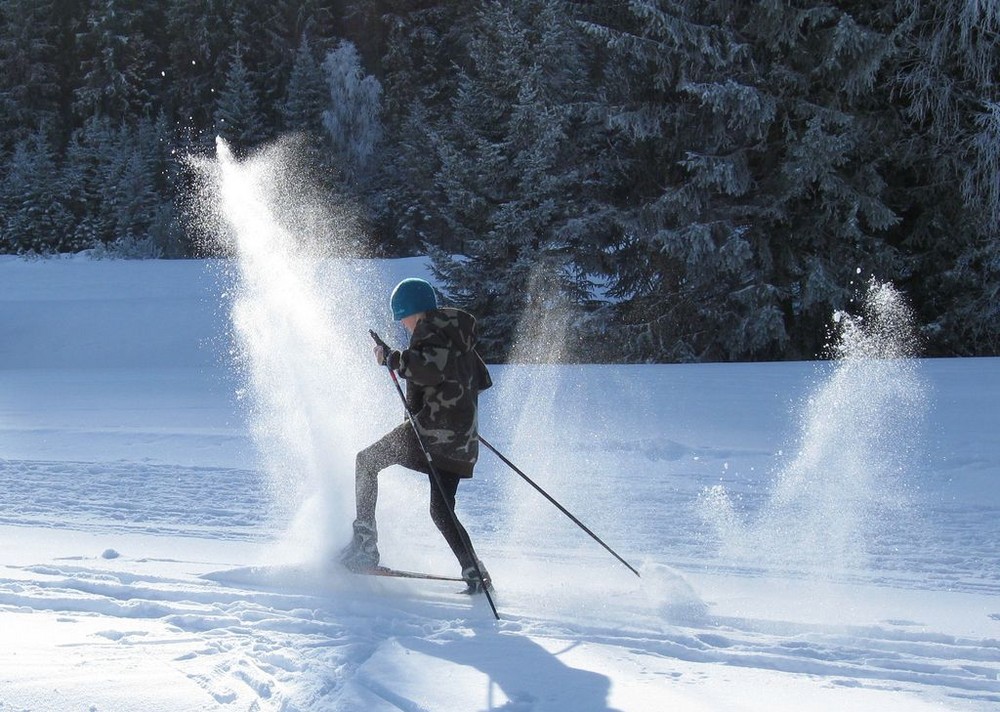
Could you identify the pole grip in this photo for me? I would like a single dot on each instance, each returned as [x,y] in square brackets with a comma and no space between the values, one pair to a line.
[378,340]
[385,353]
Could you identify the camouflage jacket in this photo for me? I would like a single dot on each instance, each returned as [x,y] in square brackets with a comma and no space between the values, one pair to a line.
[444,376]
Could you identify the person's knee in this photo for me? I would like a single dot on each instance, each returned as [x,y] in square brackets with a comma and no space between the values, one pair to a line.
[363,465]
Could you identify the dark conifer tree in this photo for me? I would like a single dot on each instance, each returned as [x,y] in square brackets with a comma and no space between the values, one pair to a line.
[85,175]
[30,83]
[33,218]
[118,63]
[508,182]
[419,47]
[682,120]
[307,95]
[752,190]
[947,169]
[135,188]
[238,117]
[284,25]
[200,39]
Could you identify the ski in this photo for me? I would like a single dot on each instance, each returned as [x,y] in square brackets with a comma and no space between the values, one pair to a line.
[397,573]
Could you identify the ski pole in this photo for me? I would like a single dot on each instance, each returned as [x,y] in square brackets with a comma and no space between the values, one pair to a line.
[434,473]
[561,508]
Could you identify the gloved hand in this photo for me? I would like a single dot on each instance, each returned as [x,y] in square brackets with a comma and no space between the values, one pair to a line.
[386,358]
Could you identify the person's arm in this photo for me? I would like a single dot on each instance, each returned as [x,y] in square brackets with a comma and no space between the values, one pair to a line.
[425,362]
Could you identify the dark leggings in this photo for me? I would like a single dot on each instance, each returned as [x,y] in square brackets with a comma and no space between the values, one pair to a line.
[399,447]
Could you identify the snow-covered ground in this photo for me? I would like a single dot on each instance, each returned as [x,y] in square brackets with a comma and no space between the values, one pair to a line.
[810,536]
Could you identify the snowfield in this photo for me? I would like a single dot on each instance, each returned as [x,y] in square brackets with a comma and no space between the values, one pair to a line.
[811,536]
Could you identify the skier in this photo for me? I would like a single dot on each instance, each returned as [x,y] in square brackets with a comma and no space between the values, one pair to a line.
[444,376]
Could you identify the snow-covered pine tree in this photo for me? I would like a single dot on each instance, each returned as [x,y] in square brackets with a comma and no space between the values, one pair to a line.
[753,194]
[683,117]
[119,189]
[352,117]
[307,95]
[282,26]
[135,192]
[419,46]
[508,179]
[33,217]
[947,155]
[85,176]
[238,118]
[197,56]
[34,47]
[117,63]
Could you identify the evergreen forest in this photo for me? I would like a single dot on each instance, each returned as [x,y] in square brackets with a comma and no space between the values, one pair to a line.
[654,180]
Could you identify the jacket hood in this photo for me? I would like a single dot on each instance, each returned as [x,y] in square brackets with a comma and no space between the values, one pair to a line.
[458,326]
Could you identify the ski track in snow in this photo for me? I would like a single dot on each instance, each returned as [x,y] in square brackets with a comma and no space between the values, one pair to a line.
[295,649]
[161,499]
[288,638]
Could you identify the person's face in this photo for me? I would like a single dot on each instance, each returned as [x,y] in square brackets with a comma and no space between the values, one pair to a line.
[410,322]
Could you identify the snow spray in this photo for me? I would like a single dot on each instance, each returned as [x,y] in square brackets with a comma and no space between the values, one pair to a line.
[859,432]
[529,407]
[299,338]
[535,406]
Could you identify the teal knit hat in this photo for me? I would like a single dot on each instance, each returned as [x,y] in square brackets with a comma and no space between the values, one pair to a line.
[412,296]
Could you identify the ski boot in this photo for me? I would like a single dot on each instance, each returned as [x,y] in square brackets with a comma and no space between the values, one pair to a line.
[362,553]
[474,583]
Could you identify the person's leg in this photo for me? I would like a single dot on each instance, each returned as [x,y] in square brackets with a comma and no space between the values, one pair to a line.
[442,508]
[397,447]
[394,448]
[442,511]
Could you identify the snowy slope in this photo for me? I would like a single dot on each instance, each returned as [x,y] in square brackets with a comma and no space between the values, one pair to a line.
[153,558]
